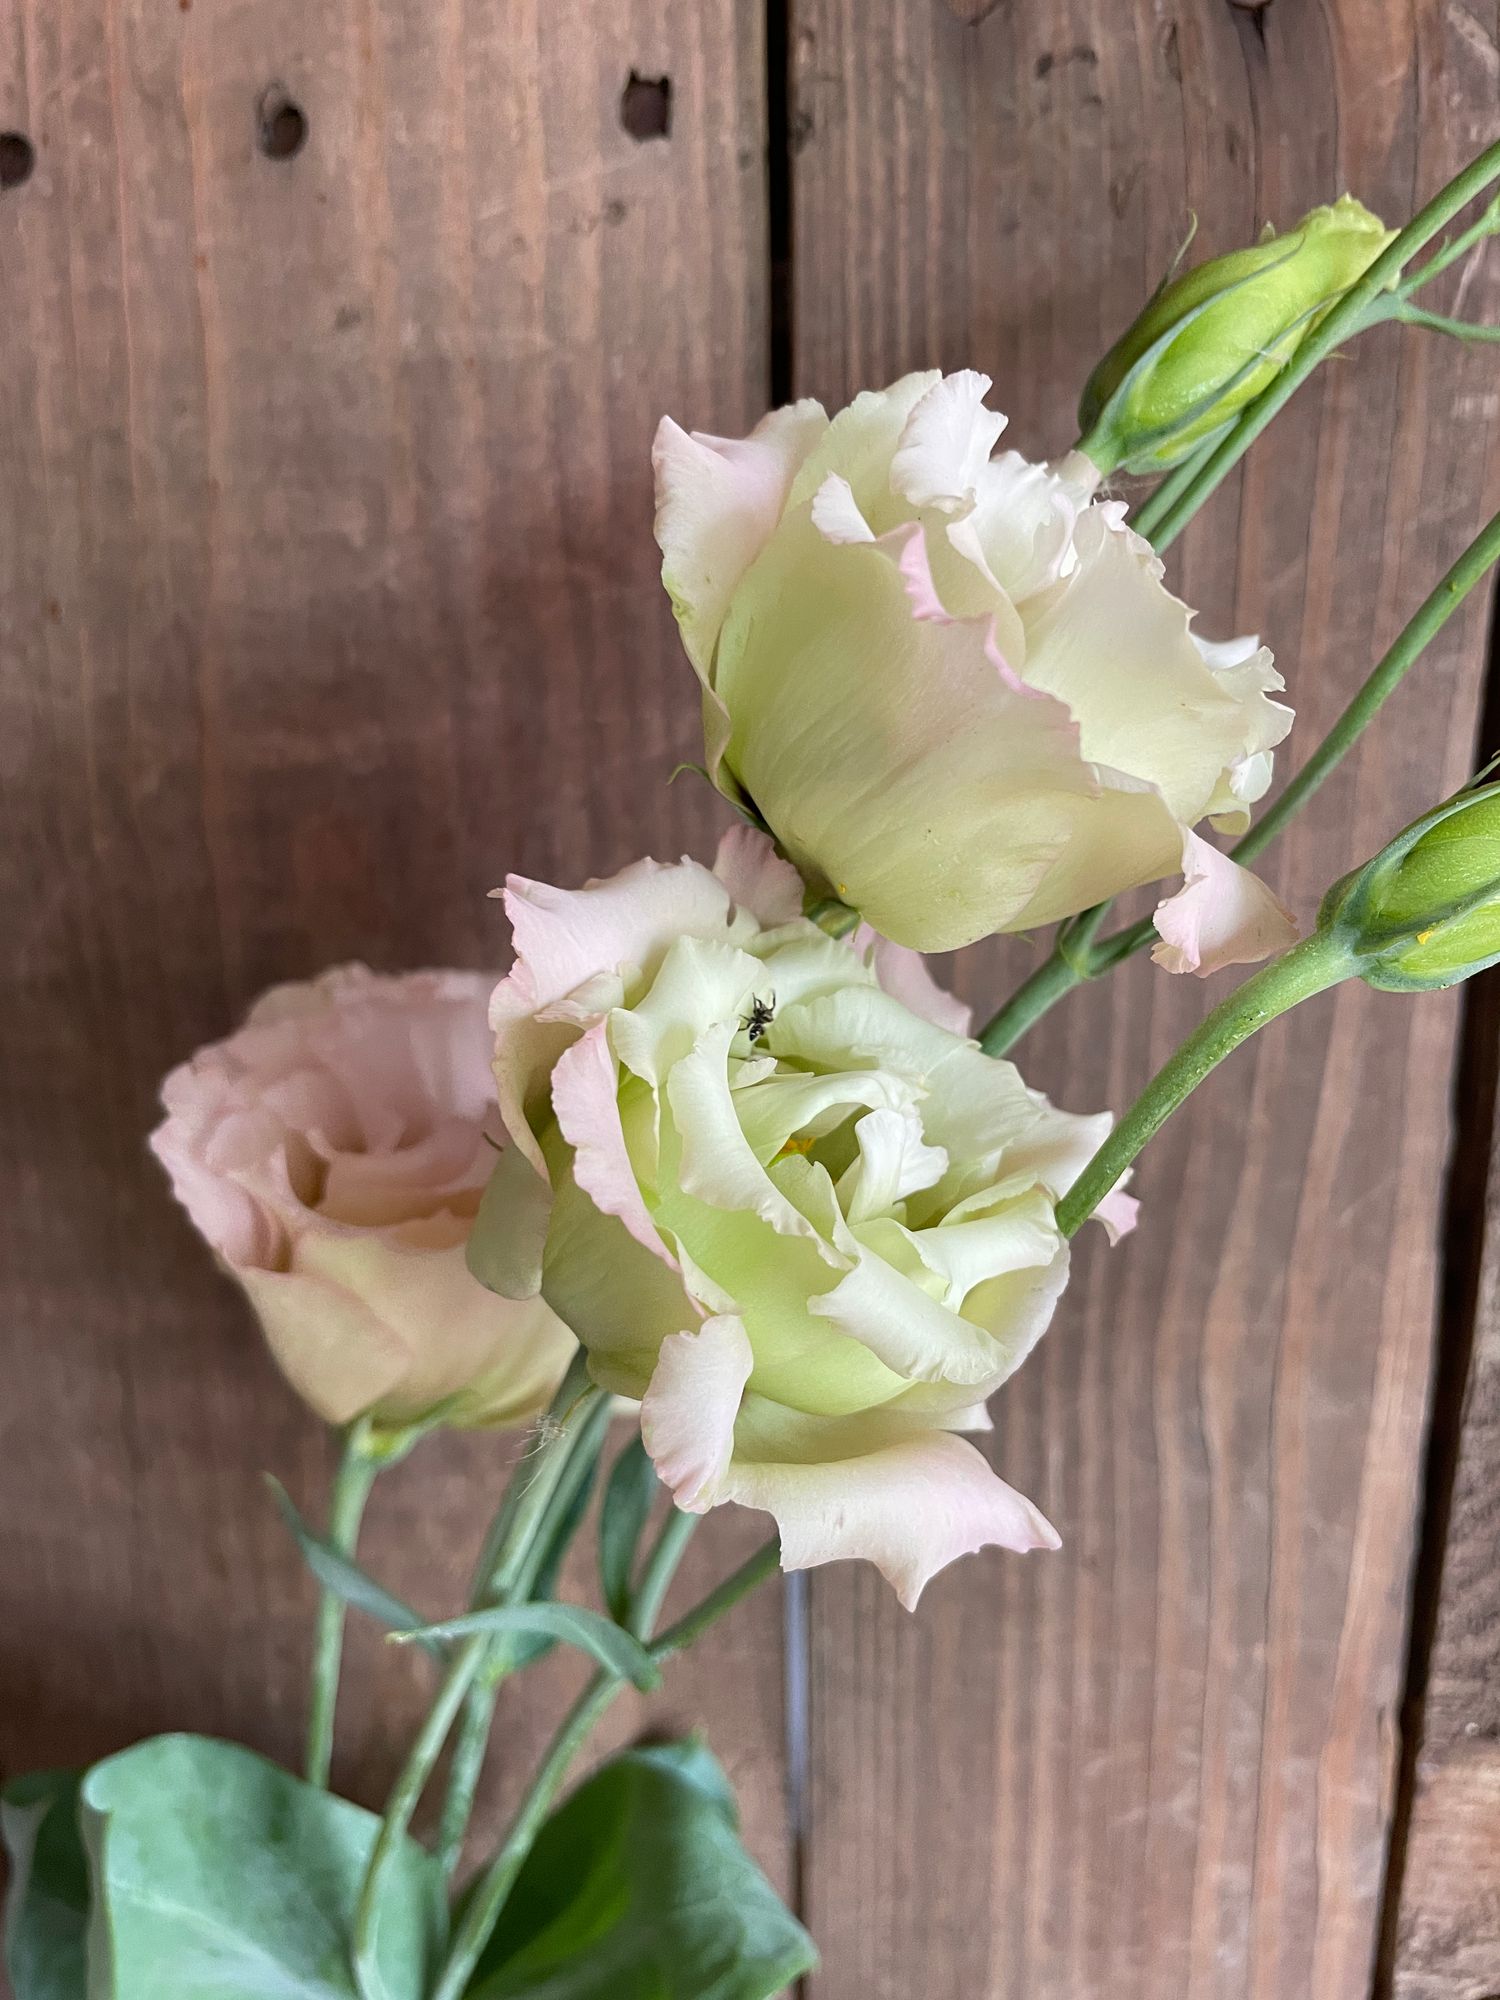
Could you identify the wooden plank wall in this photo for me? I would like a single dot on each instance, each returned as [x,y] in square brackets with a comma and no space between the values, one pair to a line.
[327,594]
[1159,1765]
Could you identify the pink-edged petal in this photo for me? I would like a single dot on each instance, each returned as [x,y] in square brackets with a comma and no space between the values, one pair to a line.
[904,974]
[909,1507]
[566,936]
[1118,1212]
[586,1100]
[568,939]
[688,1413]
[1222,915]
[946,443]
[717,504]
[757,878]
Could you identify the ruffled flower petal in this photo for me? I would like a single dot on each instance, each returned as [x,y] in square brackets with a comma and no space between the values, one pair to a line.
[717,502]
[586,1102]
[910,1507]
[567,938]
[946,443]
[757,878]
[688,1413]
[1222,915]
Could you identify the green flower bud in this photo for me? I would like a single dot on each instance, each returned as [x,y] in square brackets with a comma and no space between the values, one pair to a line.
[1211,340]
[1426,911]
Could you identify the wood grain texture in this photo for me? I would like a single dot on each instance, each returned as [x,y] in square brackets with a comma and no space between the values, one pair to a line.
[327,594]
[1447,1942]
[1159,1762]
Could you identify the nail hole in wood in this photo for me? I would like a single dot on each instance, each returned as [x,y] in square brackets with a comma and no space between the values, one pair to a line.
[646,106]
[17,159]
[282,125]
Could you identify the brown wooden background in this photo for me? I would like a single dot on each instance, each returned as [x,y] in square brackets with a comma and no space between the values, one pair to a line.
[327,594]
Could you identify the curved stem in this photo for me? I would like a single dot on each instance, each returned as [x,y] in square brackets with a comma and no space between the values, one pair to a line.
[1163,498]
[724,1597]
[352,1481]
[661,1567]
[525,1518]
[1318,962]
[1032,998]
[482,1911]
[472,1740]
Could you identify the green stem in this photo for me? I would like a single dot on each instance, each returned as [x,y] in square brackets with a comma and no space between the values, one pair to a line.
[356,1472]
[1054,977]
[753,1571]
[525,1510]
[1437,608]
[1062,971]
[1487,225]
[1352,313]
[482,1910]
[1320,961]
[1164,497]
[472,1740]
[661,1567]
[1461,329]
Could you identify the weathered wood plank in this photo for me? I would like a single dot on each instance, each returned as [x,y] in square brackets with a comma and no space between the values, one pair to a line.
[1158,1763]
[1446,1943]
[327,594]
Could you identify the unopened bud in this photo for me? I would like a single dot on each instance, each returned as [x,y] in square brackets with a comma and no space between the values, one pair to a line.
[1211,340]
[1425,912]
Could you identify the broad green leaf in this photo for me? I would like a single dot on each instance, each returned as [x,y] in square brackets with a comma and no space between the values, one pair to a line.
[590,1632]
[219,1876]
[638,1889]
[628,1498]
[47,1902]
[344,1578]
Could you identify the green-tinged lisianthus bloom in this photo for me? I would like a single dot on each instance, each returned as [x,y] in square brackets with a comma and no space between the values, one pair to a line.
[953,686]
[1211,340]
[779,1195]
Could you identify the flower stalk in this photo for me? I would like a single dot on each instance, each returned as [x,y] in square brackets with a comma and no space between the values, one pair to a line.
[1360,307]
[525,1511]
[473,1737]
[359,1463]
[484,1906]
[1319,962]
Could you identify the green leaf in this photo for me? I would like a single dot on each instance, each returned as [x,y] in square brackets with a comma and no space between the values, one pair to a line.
[47,1903]
[628,1498]
[218,1876]
[638,1889]
[587,1630]
[344,1578]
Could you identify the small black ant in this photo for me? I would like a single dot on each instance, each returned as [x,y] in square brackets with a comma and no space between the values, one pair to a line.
[762,1013]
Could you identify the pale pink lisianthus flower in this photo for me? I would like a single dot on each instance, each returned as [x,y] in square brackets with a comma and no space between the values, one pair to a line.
[332,1152]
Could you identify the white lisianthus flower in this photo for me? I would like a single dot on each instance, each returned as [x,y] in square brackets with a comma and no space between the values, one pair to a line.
[781,1197]
[954,685]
